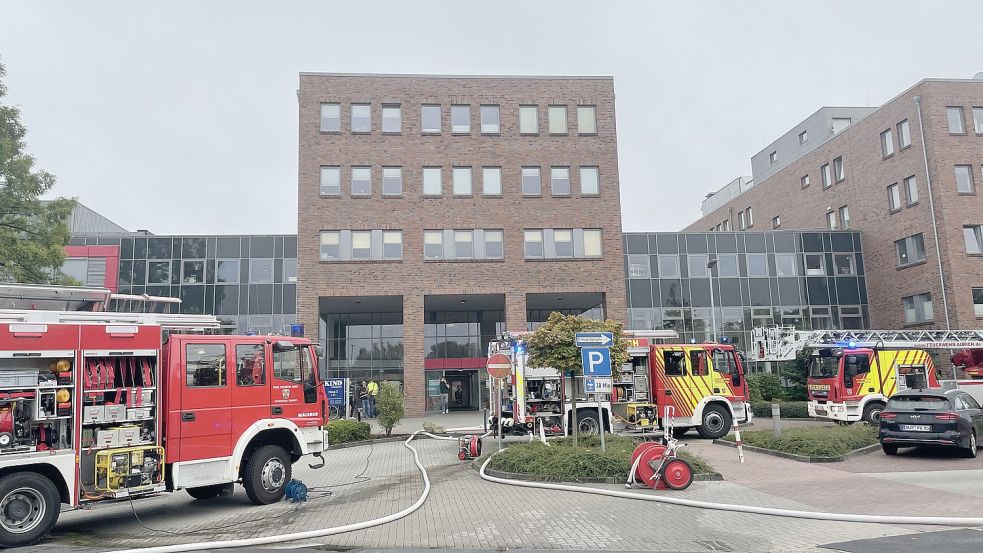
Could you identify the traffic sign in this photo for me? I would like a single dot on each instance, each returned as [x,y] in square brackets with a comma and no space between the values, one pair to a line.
[594,339]
[596,361]
[598,386]
[499,366]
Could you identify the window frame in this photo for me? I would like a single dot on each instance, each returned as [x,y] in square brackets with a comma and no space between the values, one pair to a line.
[361,233]
[388,234]
[949,110]
[831,223]
[909,243]
[773,157]
[554,180]
[501,242]
[893,198]
[904,134]
[337,171]
[977,307]
[550,109]
[539,179]
[844,215]
[439,244]
[498,119]
[972,181]
[398,168]
[826,176]
[887,144]
[399,118]
[462,170]
[597,180]
[526,233]
[803,137]
[439,171]
[918,308]
[352,183]
[534,109]
[321,119]
[240,381]
[368,117]
[839,169]
[440,124]
[804,181]
[337,244]
[600,242]
[557,241]
[222,372]
[977,233]
[592,109]
[977,120]
[495,169]
[776,221]
[458,108]
[470,242]
[910,183]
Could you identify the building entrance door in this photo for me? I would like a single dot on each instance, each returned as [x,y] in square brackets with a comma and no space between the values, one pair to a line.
[463,396]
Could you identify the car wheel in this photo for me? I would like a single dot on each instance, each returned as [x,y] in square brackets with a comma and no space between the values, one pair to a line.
[889,449]
[872,413]
[971,450]
[267,472]
[715,423]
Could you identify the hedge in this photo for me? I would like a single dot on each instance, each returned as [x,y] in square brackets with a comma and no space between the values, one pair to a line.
[790,409]
[823,441]
[765,387]
[345,430]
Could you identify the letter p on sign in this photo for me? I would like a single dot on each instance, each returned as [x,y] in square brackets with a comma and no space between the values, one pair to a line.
[596,361]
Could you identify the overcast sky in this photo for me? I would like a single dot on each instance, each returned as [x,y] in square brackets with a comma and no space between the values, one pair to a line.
[181,117]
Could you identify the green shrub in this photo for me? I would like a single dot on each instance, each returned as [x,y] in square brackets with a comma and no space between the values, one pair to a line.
[790,409]
[562,461]
[823,441]
[765,387]
[389,404]
[345,430]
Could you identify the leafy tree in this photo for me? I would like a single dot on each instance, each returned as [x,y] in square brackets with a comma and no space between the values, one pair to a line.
[795,374]
[553,344]
[33,233]
[389,404]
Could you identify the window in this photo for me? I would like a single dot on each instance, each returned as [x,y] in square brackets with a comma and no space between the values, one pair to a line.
[330,245]
[910,250]
[558,119]
[824,172]
[957,124]
[978,120]
[978,301]
[491,181]
[592,242]
[533,244]
[638,266]
[674,363]
[392,181]
[904,134]
[725,226]
[840,124]
[330,117]
[887,143]
[227,271]
[289,270]
[814,264]
[750,218]
[804,181]
[586,119]
[361,245]
[803,137]
[727,265]
[844,264]
[740,221]
[560,181]
[698,265]
[290,365]
[489,120]
[776,221]
[724,362]
[461,119]
[158,272]
[432,185]
[193,272]
[205,365]
[757,265]
[463,244]
[361,181]
[844,218]
[917,309]
[261,271]
[964,179]
[430,118]
[462,181]
[668,266]
[494,244]
[911,189]
[974,239]
[851,318]
[590,183]
[361,118]
[433,244]
[331,180]
[893,198]
[529,119]
[838,169]
[250,365]
[784,264]
[392,244]
[392,118]
[531,185]
[773,157]
[563,242]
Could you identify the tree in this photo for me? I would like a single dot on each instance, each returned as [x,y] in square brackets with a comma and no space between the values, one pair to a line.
[390,405]
[33,233]
[795,373]
[553,344]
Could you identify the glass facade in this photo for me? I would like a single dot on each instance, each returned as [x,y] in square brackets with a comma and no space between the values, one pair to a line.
[364,346]
[810,280]
[248,282]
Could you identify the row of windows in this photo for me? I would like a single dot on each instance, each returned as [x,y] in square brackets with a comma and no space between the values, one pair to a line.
[727,292]
[887,139]
[459,244]
[197,247]
[431,119]
[894,194]
[217,271]
[432,181]
[839,219]
[734,320]
[749,265]
[956,117]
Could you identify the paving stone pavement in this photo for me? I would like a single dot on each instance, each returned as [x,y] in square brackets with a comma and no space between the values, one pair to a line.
[465,512]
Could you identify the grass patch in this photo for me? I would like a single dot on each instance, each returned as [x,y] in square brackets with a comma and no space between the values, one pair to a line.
[789,409]
[560,461]
[825,441]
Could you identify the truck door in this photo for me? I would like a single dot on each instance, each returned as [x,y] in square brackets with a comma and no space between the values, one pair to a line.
[671,373]
[726,377]
[856,368]
[206,402]
[294,392]
[251,396]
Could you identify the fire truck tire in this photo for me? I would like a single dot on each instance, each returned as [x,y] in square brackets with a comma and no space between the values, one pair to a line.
[716,422]
[680,432]
[677,474]
[267,472]
[29,508]
[587,423]
[206,492]
[889,449]
[872,413]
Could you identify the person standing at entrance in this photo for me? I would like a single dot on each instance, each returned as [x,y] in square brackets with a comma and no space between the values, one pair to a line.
[445,391]
[373,391]
[363,396]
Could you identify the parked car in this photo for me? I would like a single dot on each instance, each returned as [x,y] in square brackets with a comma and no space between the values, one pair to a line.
[931,417]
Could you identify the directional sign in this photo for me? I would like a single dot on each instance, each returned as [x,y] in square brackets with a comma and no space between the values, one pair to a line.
[594,339]
[598,386]
[597,361]
[499,366]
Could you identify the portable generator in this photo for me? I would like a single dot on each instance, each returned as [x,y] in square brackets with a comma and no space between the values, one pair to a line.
[469,447]
[642,414]
[129,469]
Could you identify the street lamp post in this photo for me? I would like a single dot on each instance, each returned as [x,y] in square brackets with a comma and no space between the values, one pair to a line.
[713,310]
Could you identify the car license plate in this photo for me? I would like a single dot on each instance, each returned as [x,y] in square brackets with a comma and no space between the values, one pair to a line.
[916,427]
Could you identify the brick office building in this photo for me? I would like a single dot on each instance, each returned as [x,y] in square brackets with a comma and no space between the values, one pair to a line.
[872,170]
[436,211]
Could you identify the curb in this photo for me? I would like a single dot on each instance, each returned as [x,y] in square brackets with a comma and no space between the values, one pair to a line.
[713,476]
[802,458]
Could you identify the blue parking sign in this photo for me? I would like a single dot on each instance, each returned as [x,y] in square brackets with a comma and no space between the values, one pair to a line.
[596,361]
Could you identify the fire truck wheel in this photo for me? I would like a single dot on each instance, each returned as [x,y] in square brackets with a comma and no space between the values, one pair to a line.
[679,432]
[267,472]
[872,413]
[889,449]
[29,508]
[677,474]
[587,423]
[206,492]
[716,422]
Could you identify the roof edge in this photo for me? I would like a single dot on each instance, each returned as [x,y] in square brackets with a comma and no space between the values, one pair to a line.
[446,76]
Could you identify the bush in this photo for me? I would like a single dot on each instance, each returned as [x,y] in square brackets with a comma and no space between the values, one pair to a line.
[824,441]
[765,387]
[389,404]
[790,409]
[344,431]
[561,461]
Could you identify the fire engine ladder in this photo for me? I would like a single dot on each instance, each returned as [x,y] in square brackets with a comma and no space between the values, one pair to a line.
[782,343]
[167,321]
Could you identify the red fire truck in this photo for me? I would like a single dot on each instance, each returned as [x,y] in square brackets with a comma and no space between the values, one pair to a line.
[97,406]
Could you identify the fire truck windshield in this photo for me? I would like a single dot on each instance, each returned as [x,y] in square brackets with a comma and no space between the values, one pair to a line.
[823,367]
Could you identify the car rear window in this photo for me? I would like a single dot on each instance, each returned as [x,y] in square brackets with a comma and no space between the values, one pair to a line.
[918,403]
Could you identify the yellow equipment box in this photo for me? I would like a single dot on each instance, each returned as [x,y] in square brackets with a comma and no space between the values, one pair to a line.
[642,414]
[129,469]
